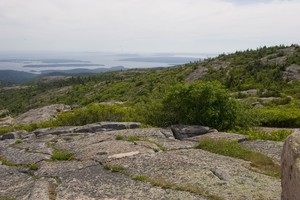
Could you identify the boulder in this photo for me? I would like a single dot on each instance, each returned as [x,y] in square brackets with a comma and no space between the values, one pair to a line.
[8,136]
[106,126]
[257,104]
[290,167]
[54,131]
[183,131]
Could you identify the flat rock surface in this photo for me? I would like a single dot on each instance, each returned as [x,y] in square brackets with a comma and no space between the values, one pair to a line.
[14,184]
[152,153]
[220,175]
[270,148]
[219,136]
[96,183]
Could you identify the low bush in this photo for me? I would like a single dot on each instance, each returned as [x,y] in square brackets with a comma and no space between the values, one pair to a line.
[279,116]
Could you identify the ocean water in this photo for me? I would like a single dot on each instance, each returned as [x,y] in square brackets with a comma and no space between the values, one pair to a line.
[38,61]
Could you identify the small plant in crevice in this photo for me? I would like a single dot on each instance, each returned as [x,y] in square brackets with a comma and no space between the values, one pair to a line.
[120,137]
[129,139]
[18,141]
[113,168]
[61,155]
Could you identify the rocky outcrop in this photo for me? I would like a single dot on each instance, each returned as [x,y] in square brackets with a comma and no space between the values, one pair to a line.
[5,118]
[292,72]
[151,164]
[41,114]
[183,131]
[290,167]
[4,113]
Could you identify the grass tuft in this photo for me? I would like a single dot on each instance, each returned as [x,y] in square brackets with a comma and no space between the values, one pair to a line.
[18,141]
[129,139]
[120,137]
[113,168]
[262,163]
[60,155]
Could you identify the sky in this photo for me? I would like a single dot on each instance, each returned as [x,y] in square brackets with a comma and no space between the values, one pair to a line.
[147,26]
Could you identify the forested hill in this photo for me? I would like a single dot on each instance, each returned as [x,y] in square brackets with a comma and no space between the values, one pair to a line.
[11,76]
[265,72]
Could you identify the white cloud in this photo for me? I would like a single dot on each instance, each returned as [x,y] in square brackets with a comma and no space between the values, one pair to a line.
[147,25]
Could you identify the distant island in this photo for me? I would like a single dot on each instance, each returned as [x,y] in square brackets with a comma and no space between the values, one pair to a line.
[61,65]
[43,61]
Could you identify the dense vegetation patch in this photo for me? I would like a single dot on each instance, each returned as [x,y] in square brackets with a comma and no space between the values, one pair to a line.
[275,135]
[280,116]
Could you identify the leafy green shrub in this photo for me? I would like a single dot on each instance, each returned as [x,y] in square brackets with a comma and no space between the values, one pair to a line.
[231,148]
[60,155]
[202,103]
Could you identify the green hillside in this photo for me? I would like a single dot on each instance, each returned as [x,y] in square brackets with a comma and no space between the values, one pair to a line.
[251,76]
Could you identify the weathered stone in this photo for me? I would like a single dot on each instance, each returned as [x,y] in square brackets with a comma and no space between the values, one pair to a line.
[41,114]
[152,152]
[20,156]
[182,131]
[6,121]
[96,183]
[8,136]
[34,147]
[257,104]
[76,106]
[57,169]
[89,128]
[40,190]
[124,155]
[15,184]
[292,72]
[219,175]
[219,136]
[290,167]
[21,134]
[106,126]
[4,113]
[54,131]
[271,149]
